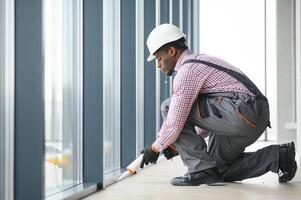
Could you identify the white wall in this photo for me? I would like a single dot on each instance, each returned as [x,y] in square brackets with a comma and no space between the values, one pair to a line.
[271,63]
[232,31]
[281,70]
[263,46]
[284,71]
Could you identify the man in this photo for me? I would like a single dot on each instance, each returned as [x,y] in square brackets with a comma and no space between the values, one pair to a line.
[212,97]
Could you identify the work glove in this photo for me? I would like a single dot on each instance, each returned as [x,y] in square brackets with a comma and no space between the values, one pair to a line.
[169,153]
[149,156]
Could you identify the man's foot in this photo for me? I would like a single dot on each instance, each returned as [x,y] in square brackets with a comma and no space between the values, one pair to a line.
[207,176]
[287,163]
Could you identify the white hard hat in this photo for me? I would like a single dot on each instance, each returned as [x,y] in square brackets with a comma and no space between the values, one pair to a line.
[161,35]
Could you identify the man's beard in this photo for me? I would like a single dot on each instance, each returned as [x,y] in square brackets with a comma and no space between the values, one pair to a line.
[170,73]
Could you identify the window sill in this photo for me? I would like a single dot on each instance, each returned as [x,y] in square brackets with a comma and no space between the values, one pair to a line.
[77,192]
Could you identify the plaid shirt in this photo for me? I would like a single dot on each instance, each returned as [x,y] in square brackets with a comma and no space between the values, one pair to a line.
[190,80]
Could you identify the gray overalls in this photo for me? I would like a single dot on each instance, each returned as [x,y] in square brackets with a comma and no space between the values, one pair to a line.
[234,121]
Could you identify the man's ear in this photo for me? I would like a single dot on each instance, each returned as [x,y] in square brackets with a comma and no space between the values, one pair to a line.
[172,51]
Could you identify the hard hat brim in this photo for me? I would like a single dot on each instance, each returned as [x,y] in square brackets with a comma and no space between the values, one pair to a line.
[150,57]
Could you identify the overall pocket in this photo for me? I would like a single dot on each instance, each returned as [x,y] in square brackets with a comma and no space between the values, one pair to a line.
[246,113]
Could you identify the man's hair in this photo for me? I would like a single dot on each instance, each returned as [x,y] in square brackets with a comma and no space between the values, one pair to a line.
[178,44]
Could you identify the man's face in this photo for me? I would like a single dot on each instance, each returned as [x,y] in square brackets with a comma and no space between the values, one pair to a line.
[166,60]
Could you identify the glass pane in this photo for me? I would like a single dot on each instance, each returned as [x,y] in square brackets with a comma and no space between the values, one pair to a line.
[111,80]
[2,100]
[63,95]
[6,98]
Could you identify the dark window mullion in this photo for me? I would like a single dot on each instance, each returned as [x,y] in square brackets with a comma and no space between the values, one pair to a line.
[128,83]
[93,93]
[29,101]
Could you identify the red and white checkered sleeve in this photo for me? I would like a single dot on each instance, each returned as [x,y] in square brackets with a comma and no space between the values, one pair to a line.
[187,84]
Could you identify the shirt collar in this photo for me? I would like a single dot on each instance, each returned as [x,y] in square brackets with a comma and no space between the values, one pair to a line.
[182,59]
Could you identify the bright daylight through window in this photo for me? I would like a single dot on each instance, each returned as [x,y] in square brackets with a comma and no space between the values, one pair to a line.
[63,94]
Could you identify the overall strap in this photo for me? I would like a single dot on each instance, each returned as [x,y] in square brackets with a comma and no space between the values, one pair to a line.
[238,76]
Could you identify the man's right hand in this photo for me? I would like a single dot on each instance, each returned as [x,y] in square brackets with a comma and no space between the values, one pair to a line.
[169,153]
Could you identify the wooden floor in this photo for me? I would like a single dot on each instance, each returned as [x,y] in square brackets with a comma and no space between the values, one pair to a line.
[154,183]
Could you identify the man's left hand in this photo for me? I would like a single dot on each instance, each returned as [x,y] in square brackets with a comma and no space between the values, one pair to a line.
[169,153]
[149,156]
